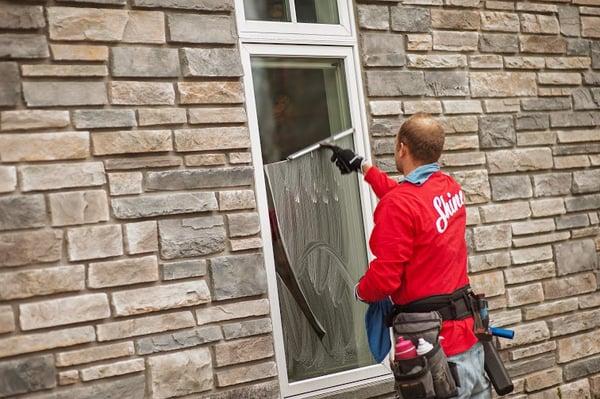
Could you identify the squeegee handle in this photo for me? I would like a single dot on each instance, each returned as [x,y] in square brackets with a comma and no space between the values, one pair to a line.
[502,333]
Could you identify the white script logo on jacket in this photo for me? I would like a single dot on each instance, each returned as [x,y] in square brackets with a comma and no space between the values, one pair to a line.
[446,208]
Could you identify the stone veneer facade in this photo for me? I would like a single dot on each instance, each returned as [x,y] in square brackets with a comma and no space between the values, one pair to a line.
[130,254]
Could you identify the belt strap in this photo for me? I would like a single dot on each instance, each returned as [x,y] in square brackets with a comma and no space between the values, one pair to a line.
[455,306]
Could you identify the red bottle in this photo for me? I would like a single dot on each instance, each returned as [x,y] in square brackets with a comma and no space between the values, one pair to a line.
[405,349]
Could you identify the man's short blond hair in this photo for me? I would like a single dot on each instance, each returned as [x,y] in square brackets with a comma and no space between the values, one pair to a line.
[424,137]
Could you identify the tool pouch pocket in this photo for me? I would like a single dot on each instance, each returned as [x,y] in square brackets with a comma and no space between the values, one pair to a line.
[428,376]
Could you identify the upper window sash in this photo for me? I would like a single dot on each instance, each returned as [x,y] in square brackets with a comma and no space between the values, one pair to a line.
[273,31]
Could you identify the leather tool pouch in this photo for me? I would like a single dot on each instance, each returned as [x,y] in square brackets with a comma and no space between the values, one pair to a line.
[428,376]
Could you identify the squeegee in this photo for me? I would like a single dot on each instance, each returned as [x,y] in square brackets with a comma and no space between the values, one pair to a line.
[316,146]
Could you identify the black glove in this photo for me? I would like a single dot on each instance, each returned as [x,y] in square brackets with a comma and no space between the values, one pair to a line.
[346,160]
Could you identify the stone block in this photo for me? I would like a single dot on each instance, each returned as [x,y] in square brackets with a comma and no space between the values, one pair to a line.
[101,118]
[19,344]
[546,104]
[247,328]
[430,107]
[536,139]
[127,387]
[94,242]
[44,146]
[559,78]
[492,237]
[504,161]
[396,83]
[22,211]
[210,92]
[16,16]
[64,93]
[456,20]
[40,70]
[505,211]
[123,183]
[510,187]
[526,333]
[572,323]
[58,312]
[493,260]
[212,138]
[577,46]
[162,116]
[181,373]
[199,178]
[538,23]
[34,282]
[541,239]
[200,5]
[568,62]
[498,43]
[13,45]
[211,62]
[113,369]
[385,107]
[230,311]
[383,49]
[485,61]
[538,271]
[496,131]
[535,226]
[144,62]
[550,308]
[505,318]
[570,286]
[525,294]
[78,207]
[578,346]
[552,184]
[491,284]
[33,119]
[455,41]
[503,84]
[502,105]
[68,377]
[410,19]
[163,204]
[419,42]
[22,248]
[240,375]
[7,319]
[532,350]
[205,160]
[499,21]
[238,276]
[235,200]
[185,238]
[10,86]
[108,25]
[582,368]
[217,115]
[28,374]
[575,256]
[583,203]
[244,244]
[122,272]
[94,354]
[178,340]
[572,221]
[141,237]
[156,298]
[569,20]
[243,350]
[590,27]
[586,181]
[441,83]
[542,44]
[524,62]
[548,207]
[79,52]
[142,93]
[475,185]
[201,28]
[584,98]
[532,122]
[543,379]
[371,16]
[243,224]
[131,141]
[145,325]
[589,301]
[184,269]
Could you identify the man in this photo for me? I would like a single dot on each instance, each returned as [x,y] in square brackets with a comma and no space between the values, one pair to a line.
[419,239]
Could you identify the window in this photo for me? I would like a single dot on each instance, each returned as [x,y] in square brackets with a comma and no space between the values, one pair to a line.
[302,85]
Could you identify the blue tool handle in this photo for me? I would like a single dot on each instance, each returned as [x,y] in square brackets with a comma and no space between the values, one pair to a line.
[502,333]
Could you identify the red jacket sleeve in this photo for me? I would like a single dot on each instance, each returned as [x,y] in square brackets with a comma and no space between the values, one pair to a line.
[392,244]
[379,181]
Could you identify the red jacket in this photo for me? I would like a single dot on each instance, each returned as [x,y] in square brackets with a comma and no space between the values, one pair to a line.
[420,249]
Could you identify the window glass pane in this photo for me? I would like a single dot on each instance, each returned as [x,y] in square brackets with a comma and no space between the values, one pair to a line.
[299,102]
[317,11]
[316,215]
[267,10]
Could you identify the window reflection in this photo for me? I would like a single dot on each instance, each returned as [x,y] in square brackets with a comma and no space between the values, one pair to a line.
[267,10]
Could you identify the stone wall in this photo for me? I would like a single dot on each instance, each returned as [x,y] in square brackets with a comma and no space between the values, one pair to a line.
[516,85]
[130,262]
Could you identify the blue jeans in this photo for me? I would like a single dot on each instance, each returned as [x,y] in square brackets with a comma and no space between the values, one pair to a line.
[474,383]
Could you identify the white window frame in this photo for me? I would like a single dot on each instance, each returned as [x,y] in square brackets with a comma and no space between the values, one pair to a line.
[351,378]
[304,33]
